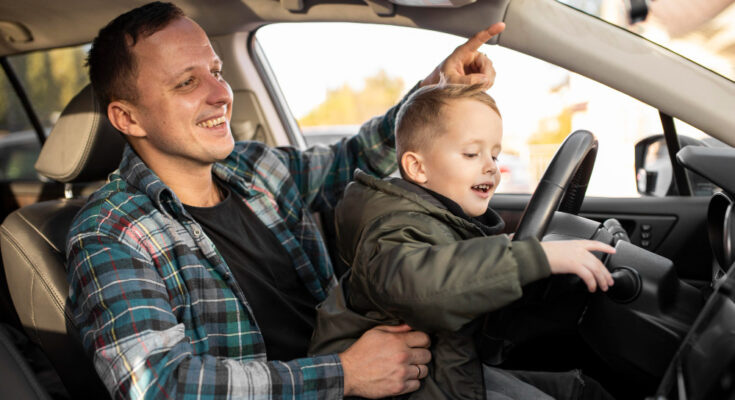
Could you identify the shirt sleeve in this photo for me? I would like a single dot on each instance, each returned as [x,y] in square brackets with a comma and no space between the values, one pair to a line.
[121,307]
[322,172]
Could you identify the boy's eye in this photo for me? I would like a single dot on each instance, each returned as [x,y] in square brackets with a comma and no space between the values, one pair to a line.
[496,158]
[470,155]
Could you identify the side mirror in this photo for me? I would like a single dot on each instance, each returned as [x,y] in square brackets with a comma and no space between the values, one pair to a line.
[646,181]
[653,167]
[654,174]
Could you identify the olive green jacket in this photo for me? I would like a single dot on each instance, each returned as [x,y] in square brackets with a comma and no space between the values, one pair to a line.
[414,261]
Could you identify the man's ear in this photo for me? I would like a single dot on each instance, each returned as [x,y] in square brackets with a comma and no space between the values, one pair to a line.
[413,166]
[123,116]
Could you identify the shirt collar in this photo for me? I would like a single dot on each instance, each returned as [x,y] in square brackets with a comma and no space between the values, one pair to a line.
[135,172]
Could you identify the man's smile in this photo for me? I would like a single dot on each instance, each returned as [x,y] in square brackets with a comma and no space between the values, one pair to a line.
[211,123]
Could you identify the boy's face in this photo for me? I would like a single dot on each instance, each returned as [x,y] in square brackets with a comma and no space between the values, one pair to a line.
[461,163]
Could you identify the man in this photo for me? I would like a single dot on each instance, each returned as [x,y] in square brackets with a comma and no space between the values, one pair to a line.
[195,238]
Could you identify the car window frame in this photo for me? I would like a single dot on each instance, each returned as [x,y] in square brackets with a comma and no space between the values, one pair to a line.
[298,139]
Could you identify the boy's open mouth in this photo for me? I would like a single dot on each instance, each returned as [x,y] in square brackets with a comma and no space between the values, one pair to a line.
[484,188]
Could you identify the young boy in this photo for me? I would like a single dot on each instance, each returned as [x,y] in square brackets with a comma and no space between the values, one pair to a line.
[427,251]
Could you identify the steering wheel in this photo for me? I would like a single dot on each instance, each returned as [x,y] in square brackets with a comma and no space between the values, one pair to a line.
[563,185]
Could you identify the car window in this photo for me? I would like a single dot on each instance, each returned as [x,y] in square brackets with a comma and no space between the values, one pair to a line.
[50,79]
[360,70]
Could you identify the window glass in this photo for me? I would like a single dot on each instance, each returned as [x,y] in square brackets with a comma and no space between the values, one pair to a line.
[359,70]
[50,79]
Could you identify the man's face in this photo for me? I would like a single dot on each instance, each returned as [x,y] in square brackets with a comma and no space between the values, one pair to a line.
[184,105]
[461,163]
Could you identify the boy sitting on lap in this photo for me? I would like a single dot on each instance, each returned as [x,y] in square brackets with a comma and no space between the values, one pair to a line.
[426,250]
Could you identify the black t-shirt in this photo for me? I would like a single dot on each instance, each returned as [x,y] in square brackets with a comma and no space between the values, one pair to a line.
[283,307]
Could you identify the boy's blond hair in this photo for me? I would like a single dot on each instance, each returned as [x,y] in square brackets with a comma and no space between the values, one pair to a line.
[419,121]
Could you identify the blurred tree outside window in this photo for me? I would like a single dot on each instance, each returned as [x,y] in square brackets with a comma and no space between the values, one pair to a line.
[348,106]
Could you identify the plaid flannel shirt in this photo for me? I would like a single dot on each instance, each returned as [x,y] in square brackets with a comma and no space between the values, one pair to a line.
[158,309]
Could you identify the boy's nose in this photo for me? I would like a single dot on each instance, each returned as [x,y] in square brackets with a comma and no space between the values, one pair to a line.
[491,167]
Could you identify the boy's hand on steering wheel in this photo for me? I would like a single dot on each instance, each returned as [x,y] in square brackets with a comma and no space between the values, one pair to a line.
[575,257]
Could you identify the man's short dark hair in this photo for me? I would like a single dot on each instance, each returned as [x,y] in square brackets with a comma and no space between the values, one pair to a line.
[112,64]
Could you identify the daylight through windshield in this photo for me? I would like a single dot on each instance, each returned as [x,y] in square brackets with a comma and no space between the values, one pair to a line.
[702,31]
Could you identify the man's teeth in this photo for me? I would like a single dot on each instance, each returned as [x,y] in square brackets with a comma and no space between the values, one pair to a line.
[483,187]
[212,122]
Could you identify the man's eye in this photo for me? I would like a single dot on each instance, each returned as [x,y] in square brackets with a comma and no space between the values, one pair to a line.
[470,155]
[185,83]
[217,73]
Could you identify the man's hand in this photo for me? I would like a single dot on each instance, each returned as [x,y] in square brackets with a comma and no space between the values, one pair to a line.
[386,361]
[466,65]
[574,257]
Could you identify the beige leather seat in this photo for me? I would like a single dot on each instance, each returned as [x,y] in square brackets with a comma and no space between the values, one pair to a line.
[83,147]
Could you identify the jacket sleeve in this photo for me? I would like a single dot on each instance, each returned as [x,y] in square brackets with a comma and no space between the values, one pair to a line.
[140,350]
[416,271]
[321,173]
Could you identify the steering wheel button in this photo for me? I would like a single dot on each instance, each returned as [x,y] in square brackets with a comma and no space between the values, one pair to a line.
[645,235]
[645,243]
[646,227]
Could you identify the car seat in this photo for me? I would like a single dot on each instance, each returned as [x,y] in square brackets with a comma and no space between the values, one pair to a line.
[82,147]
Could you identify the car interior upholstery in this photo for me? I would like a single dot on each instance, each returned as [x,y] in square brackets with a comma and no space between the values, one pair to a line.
[19,381]
[82,147]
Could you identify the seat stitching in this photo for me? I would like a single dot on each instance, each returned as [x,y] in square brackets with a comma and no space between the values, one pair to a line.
[23,217]
[51,292]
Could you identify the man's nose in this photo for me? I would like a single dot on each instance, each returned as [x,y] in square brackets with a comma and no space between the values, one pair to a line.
[220,92]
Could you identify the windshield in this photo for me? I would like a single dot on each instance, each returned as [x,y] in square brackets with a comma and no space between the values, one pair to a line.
[702,31]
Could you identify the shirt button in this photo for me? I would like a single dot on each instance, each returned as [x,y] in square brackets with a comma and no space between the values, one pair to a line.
[197,232]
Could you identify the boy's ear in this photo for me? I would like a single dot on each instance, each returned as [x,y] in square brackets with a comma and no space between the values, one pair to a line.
[413,166]
[123,116]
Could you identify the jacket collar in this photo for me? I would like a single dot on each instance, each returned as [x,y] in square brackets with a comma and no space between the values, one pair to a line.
[489,223]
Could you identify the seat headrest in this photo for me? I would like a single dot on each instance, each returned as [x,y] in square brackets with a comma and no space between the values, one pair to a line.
[83,146]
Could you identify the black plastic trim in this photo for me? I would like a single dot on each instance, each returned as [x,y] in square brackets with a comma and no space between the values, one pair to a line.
[23,97]
[673,145]
[257,55]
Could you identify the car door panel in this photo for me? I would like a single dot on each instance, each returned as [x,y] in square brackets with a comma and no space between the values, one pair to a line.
[673,227]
